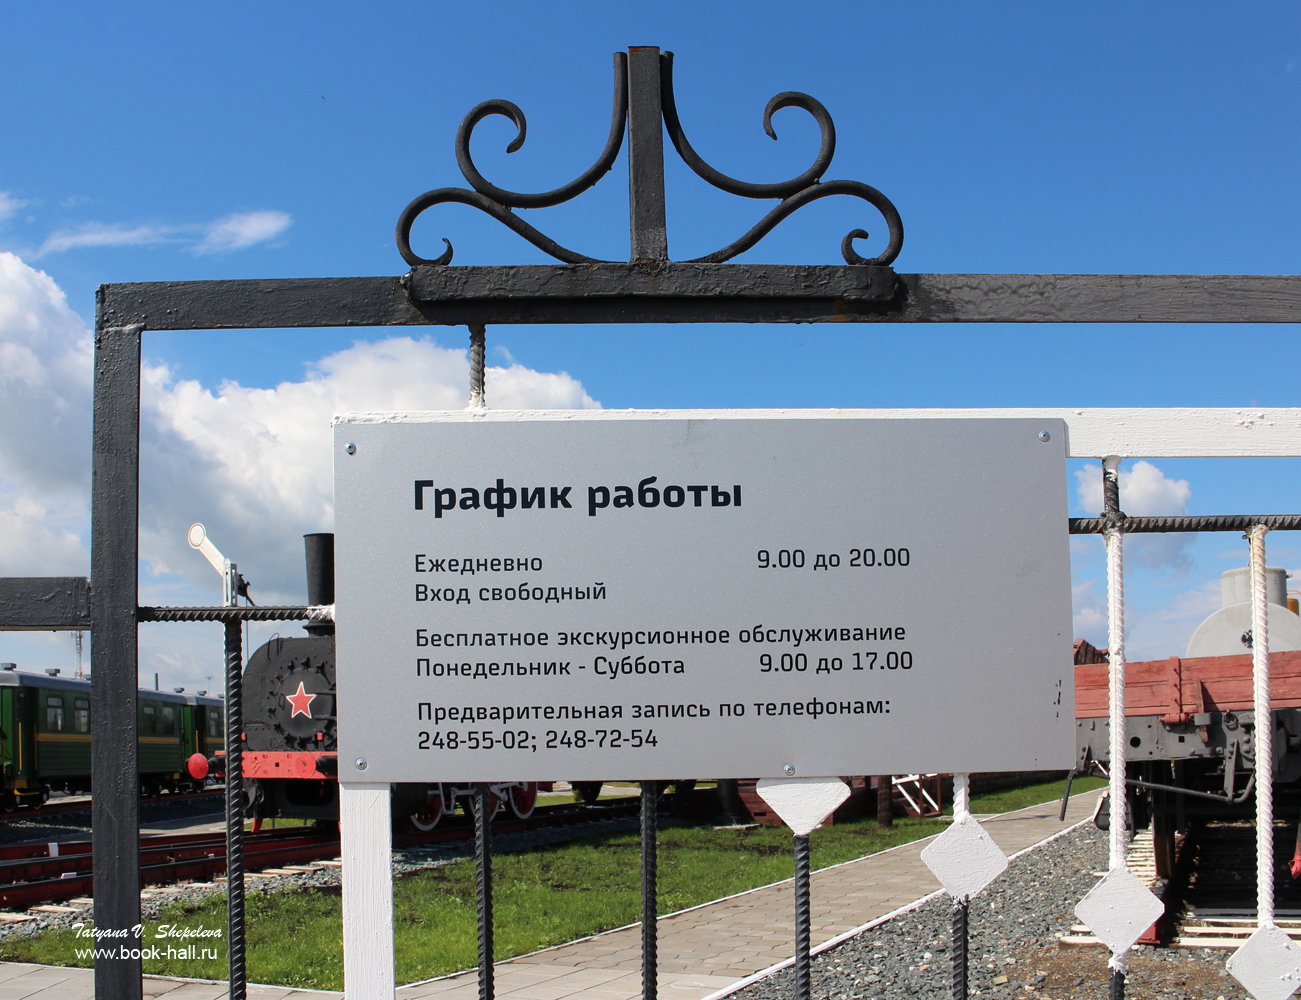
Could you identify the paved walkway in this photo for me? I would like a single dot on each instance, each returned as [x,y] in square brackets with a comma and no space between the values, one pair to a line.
[701,951]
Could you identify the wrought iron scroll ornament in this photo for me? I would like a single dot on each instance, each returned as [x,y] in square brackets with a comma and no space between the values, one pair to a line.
[794,193]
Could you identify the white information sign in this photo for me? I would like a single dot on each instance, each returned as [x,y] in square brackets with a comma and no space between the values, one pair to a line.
[603,595]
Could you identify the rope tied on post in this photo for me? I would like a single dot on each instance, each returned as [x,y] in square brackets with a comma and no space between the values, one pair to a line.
[1264,736]
[1118,832]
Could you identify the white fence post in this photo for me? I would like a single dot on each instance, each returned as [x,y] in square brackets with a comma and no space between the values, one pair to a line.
[1264,732]
[365,830]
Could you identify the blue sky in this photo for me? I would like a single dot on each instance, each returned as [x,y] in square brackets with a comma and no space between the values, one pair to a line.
[174,142]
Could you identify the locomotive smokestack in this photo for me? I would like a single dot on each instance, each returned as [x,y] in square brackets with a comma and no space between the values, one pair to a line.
[320,576]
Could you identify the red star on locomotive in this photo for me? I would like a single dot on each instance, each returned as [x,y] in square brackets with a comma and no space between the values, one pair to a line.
[301,701]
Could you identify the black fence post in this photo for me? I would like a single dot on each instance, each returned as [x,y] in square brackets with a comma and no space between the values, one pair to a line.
[483,883]
[960,913]
[649,890]
[114,566]
[803,918]
[235,937]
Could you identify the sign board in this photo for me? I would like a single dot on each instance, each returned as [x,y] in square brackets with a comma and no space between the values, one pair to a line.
[624,595]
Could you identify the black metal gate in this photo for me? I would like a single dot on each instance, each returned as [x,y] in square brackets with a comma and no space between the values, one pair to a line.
[649,288]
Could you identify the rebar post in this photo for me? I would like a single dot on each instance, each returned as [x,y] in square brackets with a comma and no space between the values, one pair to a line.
[1264,738]
[478,339]
[1115,540]
[235,809]
[803,918]
[649,889]
[483,883]
[961,813]
[960,913]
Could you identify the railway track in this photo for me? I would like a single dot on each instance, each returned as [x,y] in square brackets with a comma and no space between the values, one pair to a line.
[81,803]
[46,874]
[1211,898]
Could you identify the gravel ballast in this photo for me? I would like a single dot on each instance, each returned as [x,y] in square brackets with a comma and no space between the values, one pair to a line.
[1013,948]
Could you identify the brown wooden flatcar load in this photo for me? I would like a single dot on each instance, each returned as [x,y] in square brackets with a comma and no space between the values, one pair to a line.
[1177,689]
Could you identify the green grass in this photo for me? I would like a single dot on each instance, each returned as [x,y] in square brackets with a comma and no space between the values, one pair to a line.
[540,898]
[1029,795]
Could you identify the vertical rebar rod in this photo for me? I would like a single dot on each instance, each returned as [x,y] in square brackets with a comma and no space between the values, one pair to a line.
[1264,738]
[649,889]
[961,812]
[803,918]
[478,340]
[959,927]
[235,809]
[1115,540]
[483,883]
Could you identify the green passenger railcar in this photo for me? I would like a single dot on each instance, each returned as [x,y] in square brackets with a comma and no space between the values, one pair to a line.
[45,736]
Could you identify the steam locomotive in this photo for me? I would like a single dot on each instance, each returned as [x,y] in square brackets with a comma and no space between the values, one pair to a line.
[290,753]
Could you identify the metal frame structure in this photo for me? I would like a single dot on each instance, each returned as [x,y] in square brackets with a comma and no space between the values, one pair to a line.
[649,288]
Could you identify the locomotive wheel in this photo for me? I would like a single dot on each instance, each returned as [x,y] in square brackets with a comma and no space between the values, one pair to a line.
[523,799]
[427,818]
[588,791]
[9,802]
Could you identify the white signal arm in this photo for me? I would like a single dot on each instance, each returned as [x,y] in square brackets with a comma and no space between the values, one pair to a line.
[198,538]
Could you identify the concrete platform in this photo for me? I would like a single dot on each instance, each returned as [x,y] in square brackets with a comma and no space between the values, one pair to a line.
[703,952]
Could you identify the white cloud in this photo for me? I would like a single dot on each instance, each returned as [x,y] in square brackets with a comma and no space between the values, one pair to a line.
[1145,491]
[1090,607]
[254,465]
[1165,631]
[45,384]
[244,229]
[9,205]
[32,543]
[234,232]
[95,234]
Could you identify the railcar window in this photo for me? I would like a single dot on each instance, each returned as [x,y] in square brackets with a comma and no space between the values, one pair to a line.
[147,720]
[214,724]
[167,722]
[81,715]
[54,714]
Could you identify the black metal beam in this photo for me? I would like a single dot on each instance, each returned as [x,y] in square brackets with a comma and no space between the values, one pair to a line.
[1101,298]
[1187,522]
[699,293]
[44,603]
[649,232]
[114,557]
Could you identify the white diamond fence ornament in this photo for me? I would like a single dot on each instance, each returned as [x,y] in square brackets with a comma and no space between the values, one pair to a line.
[802,803]
[1119,909]
[964,858]
[1268,965]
